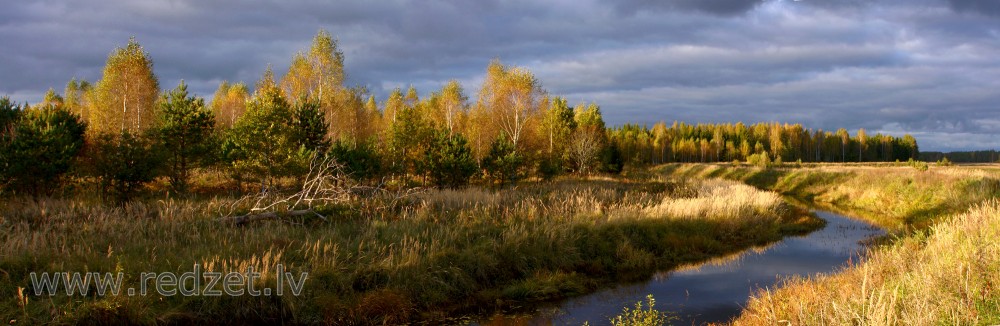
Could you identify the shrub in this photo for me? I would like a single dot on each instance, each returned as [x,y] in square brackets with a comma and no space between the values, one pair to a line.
[759,160]
[361,161]
[919,165]
[611,159]
[548,168]
[944,161]
[642,317]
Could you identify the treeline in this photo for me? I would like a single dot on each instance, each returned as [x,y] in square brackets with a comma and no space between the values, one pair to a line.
[990,156]
[122,132]
[681,142]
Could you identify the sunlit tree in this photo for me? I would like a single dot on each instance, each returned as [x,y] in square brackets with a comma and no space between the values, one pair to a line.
[451,105]
[75,98]
[229,104]
[124,99]
[317,74]
[511,95]
[558,124]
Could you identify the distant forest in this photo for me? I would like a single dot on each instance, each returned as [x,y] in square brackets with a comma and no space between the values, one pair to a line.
[124,131]
[990,156]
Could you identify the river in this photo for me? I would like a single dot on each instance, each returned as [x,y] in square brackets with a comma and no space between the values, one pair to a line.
[717,290]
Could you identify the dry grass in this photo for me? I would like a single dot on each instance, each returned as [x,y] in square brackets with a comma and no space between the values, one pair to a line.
[740,202]
[379,259]
[948,277]
[943,267]
[895,197]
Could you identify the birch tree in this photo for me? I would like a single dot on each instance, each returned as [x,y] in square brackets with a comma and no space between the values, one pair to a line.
[512,95]
[451,104]
[229,104]
[125,97]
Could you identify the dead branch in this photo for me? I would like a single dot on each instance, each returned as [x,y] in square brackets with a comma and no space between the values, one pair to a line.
[325,183]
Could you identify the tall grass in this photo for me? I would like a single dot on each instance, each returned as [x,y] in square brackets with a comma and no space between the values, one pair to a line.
[948,275]
[381,260]
[943,266]
[741,202]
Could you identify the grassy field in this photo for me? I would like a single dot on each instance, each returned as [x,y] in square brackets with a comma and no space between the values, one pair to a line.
[429,256]
[942,267]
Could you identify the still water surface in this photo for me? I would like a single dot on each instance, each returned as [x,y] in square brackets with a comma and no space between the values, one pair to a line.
[717,290]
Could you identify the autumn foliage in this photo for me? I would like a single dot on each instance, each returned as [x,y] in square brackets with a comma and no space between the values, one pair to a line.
[511,129]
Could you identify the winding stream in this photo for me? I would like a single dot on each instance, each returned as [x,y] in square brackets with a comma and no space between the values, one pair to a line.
[717,290]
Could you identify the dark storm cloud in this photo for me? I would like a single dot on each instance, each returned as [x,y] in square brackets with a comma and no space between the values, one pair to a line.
[718,7]
[927,67]
[986,7]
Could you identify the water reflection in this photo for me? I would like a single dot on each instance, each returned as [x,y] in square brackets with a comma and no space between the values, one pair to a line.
[716,291]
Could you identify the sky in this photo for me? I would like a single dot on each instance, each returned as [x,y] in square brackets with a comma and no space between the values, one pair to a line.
[930,68]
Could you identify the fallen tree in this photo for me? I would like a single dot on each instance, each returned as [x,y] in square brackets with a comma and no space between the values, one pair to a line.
[326,183]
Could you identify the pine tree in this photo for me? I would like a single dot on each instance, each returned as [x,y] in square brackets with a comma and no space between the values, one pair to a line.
[37,146]
[449,160]
[503,163]
[124,164]
[185,134]
[264,144]
[312,126]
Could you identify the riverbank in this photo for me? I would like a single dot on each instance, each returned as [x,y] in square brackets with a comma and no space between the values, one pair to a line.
[942,267]
[425,257]
[896,197]
[717,291]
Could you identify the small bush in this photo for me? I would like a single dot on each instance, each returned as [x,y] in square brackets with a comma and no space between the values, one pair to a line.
[919,165]
[759,160]
[611,159]
[361,161]
[548,168]
[944,161]
[642,317]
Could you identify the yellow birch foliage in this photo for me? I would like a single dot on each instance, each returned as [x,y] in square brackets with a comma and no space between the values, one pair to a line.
[125,97]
